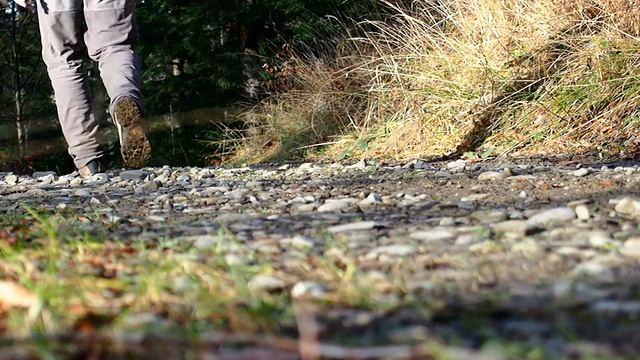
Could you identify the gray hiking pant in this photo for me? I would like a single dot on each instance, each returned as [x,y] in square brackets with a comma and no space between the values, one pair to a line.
[105,30]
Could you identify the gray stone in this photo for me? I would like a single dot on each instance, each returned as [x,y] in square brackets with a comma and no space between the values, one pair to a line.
[489,216]
[617,307]
[228,218]
[98,179]
[82,193]
[526,328]
[133,174]
[442,175]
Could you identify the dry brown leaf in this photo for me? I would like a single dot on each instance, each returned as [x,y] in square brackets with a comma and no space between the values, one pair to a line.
[13,295]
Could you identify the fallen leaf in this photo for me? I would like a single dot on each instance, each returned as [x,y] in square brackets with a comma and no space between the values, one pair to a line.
[13,295]
[606,183]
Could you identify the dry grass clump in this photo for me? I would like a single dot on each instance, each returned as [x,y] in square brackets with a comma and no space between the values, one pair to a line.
[316,99]
[450,77]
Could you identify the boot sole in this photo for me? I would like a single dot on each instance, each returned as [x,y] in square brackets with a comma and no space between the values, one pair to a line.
[135,147]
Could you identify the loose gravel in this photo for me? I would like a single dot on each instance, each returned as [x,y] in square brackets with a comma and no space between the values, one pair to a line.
[542,251]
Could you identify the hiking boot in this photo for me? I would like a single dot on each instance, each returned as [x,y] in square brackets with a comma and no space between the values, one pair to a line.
[92,168]
[134,145]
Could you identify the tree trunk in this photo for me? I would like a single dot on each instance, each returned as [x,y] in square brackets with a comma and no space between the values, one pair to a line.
[21,130]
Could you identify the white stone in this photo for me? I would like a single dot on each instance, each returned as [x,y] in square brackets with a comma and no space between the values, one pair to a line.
[582,211]
[392,250]
[581,172]
[492,175]
[235,260]
[631,248]
[432,235]
[333,206]
[628,206]
[11,179]
[475,197]
[299,242]
[356,226]
[513,228]
[266,283]
[600,239]
[457,165]
[207,241]
[590,268]
[310,289]
[553,216]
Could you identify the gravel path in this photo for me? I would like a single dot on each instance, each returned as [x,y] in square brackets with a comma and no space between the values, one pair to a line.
[542,251]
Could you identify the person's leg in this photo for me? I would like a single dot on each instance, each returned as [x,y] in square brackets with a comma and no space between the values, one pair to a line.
[111,32]
[62,30]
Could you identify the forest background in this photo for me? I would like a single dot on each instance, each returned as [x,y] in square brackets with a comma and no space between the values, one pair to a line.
[260,80]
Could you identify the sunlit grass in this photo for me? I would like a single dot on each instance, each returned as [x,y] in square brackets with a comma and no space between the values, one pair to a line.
[85,280]
[465,77]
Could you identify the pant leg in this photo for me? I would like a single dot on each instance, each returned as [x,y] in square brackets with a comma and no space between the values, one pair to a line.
[111,32]
[62,30]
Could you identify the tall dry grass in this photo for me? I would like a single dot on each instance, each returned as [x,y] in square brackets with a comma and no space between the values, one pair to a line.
[438,77]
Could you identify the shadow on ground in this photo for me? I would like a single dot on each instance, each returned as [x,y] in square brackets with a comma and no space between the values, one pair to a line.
[185,139]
